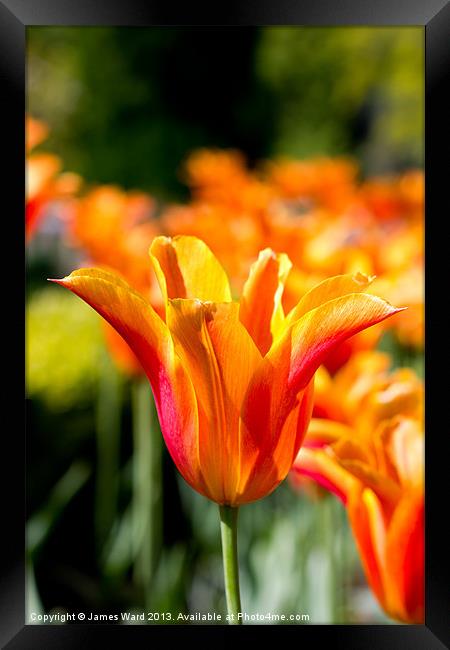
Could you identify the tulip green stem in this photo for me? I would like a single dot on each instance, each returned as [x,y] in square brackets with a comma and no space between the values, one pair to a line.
[228,529]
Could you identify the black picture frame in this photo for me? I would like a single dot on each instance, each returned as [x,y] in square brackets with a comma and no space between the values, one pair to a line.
[15,16]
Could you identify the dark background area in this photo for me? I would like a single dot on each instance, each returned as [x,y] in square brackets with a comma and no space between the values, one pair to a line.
[126,105]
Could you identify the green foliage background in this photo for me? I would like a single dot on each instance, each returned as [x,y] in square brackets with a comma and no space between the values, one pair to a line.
[126,105]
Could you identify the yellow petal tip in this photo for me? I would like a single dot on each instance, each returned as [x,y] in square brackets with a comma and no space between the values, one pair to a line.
[362,278]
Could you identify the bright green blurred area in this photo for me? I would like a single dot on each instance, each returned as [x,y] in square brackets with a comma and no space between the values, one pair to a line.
[127,106]
[343,90]
[64,342]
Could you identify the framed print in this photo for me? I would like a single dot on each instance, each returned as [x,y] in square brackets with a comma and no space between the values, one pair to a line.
[224,254]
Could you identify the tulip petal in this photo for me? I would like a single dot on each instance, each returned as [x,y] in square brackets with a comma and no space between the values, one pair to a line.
[322,467]
[406,450]
[261,310]
[369,528]
[289,366]
[121,351]
[186,268]
[269,459]
[335,287]
[303,347]
[406,559]
[324,432]
[348,448]
[384,487]
[41,169]
[150,340]
[221,358]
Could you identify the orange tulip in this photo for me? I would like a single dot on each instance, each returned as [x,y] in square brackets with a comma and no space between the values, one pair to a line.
[41,172]
[44,181]
[324,181]
[396,198]
[322,217]
[222,178]
[232,381]
[239,238]
[408,287]
[36,132]
[214,175]
[374,464]
[365,392]
[114,228]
